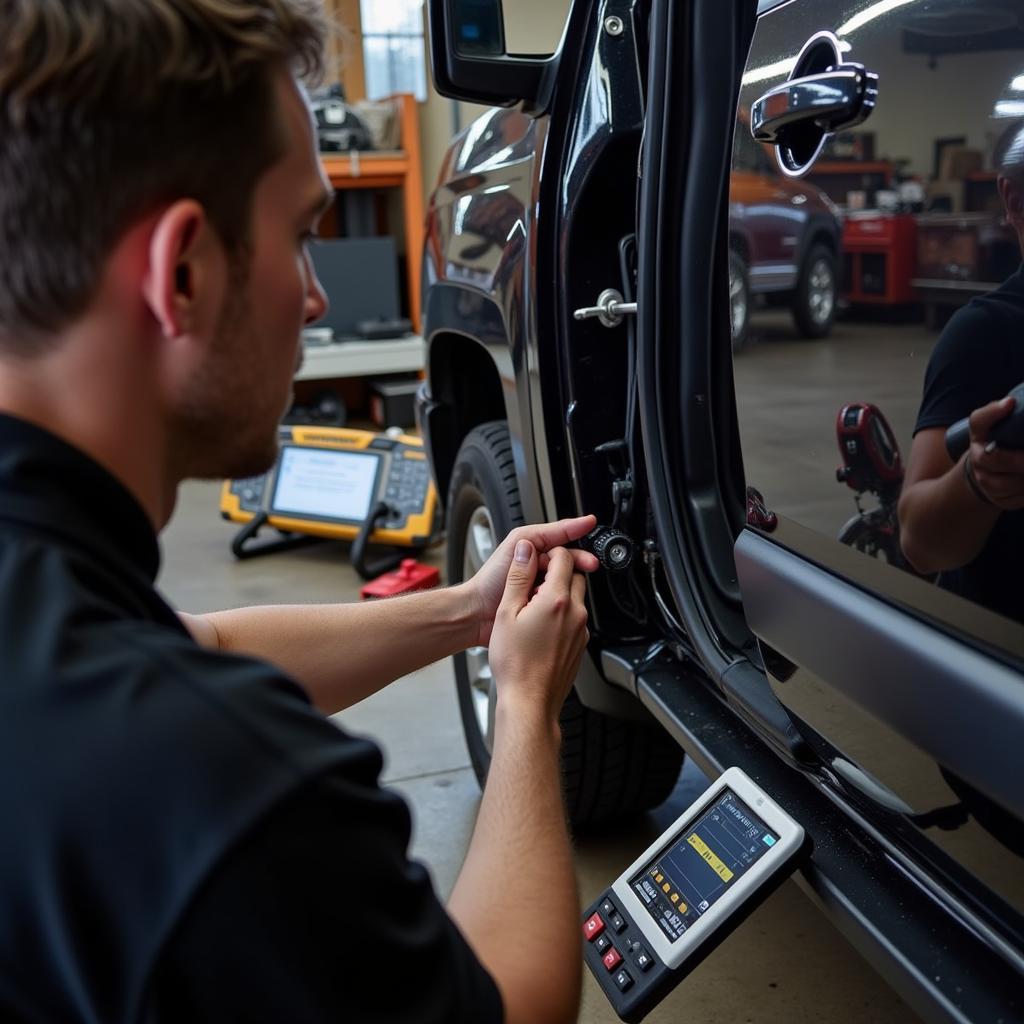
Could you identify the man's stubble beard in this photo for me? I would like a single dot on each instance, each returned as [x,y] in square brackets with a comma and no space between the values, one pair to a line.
[219,432]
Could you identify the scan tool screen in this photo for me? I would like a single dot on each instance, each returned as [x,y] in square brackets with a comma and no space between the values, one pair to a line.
[701,863]
[318,483]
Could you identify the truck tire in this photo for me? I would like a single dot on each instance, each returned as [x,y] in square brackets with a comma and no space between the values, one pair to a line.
[611,768]
[739,301]
[817,293]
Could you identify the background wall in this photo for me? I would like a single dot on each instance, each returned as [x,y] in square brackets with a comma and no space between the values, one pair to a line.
[955,98]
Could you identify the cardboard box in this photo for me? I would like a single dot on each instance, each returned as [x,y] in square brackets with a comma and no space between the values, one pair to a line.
[945,196]
[959,161]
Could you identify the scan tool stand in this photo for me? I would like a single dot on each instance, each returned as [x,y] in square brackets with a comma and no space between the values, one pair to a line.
[382,563]
[245,544]
[242,546]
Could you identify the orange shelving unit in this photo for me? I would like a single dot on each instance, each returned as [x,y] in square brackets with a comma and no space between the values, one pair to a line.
[401,169]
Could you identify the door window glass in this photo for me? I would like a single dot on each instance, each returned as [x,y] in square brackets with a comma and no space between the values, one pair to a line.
[878,299]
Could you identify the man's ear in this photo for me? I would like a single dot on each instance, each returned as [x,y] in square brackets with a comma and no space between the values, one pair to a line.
[178,275]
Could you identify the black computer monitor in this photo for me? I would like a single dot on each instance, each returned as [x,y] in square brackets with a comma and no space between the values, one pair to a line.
[360,279]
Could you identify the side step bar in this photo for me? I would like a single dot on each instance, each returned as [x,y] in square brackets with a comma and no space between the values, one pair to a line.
[899,927]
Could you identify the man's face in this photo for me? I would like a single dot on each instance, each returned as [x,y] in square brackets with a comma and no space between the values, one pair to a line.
[1012,190]
[238,401]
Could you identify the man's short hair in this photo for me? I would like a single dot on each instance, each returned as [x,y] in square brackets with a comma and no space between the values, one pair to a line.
[110,109]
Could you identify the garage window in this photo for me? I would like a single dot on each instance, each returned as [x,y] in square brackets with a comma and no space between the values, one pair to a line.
[393,50]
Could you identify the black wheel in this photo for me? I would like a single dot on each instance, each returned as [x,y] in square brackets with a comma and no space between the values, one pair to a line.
[611,768]
[817,292]
[876,536]
[739,300]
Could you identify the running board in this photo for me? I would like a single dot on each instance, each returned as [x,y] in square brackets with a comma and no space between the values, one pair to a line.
[864,886]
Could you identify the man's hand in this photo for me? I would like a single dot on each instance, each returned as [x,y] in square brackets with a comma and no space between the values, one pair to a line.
[487,586]
[997,472]
[538,639]
[539,636]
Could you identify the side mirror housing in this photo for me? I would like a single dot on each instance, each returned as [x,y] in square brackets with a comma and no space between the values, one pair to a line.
[469,61]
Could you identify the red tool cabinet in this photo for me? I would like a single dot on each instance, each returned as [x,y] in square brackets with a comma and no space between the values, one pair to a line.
[879,254]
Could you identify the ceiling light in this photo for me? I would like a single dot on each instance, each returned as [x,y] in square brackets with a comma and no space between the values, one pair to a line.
[869,14]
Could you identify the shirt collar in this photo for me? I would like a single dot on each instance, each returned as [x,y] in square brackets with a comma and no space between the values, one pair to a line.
[51,485]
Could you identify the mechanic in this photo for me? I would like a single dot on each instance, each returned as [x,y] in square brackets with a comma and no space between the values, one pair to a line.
[185,837]
[965,521]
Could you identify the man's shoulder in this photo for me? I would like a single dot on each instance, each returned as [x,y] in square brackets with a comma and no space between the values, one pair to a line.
[978,358]
[103,655]
[203,736]
[147,755]
[992,319]
[984,337]
[248,702]
[983,321]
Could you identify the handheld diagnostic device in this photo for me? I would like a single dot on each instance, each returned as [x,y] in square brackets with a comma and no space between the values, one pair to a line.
[687,891]
[333,482]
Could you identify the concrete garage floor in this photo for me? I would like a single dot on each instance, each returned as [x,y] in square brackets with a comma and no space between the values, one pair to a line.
[786,964]
[790,390]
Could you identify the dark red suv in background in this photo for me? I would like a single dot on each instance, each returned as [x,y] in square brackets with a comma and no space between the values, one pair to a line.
[784,244]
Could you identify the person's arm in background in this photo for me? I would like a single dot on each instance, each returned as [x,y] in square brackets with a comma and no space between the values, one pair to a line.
[342,653]
[944,524]
[515,899]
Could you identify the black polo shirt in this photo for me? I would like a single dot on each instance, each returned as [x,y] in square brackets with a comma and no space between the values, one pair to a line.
[184,837]
[978,358]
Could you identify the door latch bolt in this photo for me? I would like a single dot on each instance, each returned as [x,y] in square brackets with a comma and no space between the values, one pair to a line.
[610,309]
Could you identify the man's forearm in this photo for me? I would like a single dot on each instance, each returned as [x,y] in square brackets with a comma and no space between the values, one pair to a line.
[943,525]
[342,653]
[518,870]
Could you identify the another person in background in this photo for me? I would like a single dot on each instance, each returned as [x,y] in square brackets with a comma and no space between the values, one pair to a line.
[965,520]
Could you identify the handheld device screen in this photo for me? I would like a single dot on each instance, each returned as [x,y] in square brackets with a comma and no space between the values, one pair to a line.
[325,484]
[701,863]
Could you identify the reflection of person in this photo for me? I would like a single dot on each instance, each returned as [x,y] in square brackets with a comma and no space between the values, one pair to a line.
[185,838]
[965,520]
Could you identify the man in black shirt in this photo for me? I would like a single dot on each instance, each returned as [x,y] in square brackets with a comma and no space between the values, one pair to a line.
[185,837]
[966,521]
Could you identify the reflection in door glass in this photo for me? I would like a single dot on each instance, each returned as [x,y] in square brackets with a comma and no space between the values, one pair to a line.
[878,299]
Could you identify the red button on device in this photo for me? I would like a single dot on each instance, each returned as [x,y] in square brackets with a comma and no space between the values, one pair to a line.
[611,959]
[592,927]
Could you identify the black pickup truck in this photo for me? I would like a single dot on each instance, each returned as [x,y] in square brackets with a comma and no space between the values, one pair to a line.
[577,311]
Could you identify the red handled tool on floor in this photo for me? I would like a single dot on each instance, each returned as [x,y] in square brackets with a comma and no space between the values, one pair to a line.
[408,577]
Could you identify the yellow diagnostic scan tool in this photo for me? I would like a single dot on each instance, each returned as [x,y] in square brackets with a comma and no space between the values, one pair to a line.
[336,483]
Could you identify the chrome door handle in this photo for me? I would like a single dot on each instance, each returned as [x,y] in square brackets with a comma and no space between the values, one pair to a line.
[610,309]
[836,99]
